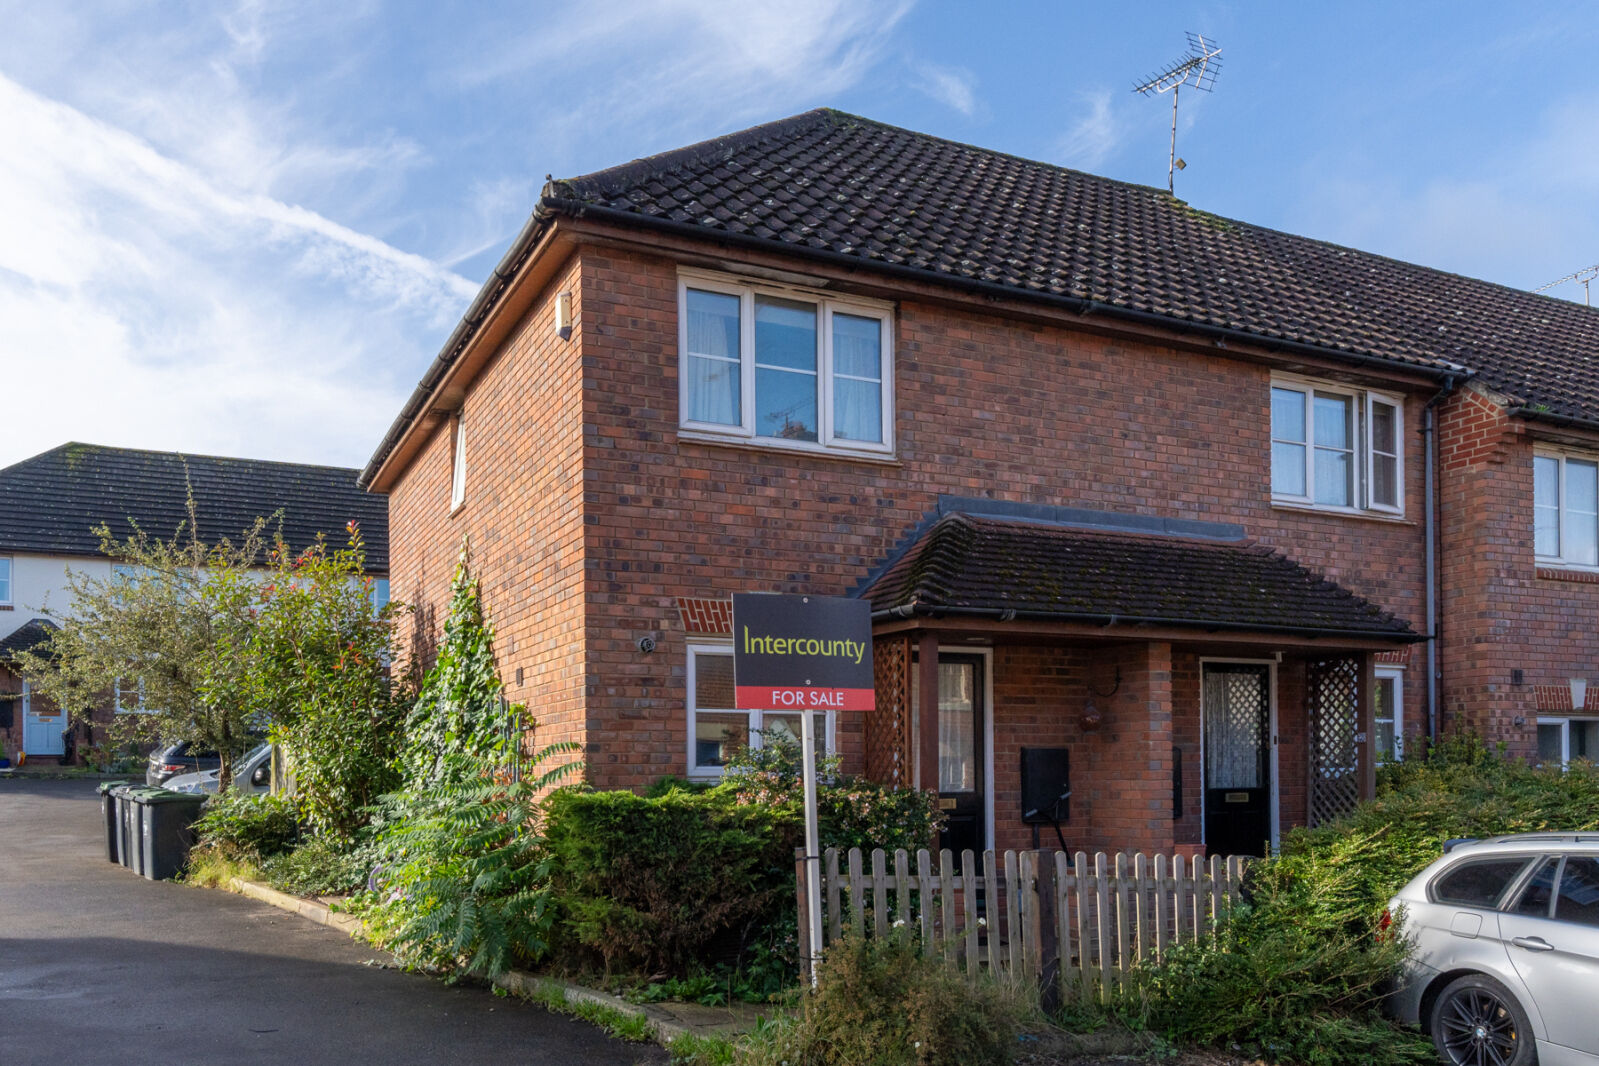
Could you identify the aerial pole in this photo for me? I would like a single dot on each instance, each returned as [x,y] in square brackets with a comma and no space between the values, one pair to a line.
[1586,276]
[1198,67]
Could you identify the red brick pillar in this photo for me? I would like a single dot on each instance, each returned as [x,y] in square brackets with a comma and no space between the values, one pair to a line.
[1133,807]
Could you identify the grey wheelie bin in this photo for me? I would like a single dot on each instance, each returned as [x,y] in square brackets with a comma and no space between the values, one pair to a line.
[132,825]
[108,813]
[166,819]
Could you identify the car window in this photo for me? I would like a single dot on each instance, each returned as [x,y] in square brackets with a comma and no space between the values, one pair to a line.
[1540,891]
[1477,884]
[1579,891]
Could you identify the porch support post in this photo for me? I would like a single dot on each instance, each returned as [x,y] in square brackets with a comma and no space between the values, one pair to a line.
[927,738]
[1366,727]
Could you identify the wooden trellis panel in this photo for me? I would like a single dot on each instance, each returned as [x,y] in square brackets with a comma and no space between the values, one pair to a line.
[1332,694]
[888,728]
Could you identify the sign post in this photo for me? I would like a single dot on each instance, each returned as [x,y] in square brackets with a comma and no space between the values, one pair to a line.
[805,654]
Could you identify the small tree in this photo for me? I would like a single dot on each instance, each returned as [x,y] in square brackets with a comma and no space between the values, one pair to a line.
[320,654]
[460,709]
[174,624]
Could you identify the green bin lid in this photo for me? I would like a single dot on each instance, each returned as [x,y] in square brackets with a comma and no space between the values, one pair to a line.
[107,786]
[166,795]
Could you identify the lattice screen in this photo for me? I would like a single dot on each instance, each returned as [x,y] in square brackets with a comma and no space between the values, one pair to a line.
[1332,694]
[888,728]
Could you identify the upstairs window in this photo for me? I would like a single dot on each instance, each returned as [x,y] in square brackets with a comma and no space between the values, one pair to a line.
[1565,508]
[1336,448]
[784,367]
[458,463]
[5,580]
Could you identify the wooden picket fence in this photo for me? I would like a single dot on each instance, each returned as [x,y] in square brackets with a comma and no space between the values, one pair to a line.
[1043,915]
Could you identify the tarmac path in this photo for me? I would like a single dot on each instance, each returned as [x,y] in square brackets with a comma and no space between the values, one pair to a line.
[99,966]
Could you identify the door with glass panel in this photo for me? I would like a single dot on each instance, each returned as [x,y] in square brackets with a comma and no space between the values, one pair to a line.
[962,788]
[1237,736]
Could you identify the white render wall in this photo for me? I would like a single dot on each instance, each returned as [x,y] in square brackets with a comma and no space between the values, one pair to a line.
[39,587]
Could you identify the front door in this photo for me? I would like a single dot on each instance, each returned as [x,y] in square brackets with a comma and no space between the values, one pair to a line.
[1237,712]
[42,725]
[961,785]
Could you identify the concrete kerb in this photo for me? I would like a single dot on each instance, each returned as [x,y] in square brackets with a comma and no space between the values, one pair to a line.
[667,1024]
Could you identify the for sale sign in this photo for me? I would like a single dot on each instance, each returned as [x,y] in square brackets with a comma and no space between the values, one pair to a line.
[802,653]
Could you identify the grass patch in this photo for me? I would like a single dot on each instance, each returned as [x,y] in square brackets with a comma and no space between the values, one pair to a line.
[631,1026]
[694,1049]
[209,868]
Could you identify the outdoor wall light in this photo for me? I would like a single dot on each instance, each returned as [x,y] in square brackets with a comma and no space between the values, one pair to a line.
[563,315]
[1579,693]
[1090,719]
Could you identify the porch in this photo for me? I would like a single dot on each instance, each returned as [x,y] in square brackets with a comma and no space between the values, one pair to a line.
[1120,691]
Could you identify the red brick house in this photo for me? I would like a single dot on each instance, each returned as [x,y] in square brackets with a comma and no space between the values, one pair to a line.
[1118,477]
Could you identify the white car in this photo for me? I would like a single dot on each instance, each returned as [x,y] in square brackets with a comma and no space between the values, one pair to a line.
[1505,968]
[252,775]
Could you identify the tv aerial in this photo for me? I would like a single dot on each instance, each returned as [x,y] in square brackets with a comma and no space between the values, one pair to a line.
[1586,275]
[1197,68]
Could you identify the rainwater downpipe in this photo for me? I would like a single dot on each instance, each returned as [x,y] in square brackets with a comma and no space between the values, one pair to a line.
[1429,431]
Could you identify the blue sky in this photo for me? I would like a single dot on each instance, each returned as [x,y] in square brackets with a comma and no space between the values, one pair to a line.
[246,230]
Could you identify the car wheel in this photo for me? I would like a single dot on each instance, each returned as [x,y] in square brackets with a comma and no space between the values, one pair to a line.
[1477,1022]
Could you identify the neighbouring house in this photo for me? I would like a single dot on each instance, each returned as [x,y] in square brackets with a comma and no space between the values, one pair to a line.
[51,504]
[1203,518]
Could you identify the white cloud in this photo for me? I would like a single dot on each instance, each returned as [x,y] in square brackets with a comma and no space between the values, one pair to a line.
[669,65]
[145,303]
[952,86]
[1510,222]
[1096,135]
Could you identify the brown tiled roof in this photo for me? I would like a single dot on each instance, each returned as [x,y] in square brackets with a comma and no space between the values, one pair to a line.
[26,637]
[52,503]
[853,191]
[979,564]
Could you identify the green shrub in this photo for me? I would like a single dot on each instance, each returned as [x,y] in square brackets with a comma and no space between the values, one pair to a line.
[1299,973]
[322,866]
[464,876]
[851,812]
[879,1003]
[247,828]
[662,884]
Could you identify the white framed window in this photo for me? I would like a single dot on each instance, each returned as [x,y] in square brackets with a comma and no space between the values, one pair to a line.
[1336,448]
[1389,705]
[1565,508]
[129,693]
[784,367]
[716,728]
[1562,739]
[458,462]
[5,580]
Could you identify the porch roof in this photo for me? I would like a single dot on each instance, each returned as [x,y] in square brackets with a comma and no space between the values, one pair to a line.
[26,637]
[1008,568]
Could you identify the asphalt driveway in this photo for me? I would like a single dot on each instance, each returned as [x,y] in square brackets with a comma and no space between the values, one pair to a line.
[100,966]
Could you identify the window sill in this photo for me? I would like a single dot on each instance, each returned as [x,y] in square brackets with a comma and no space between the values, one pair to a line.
[457,508]
[1557,572]
[1336,512]
[771,447]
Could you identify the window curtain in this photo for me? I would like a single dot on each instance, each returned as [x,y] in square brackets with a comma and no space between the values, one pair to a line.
[713,380]
[857,378]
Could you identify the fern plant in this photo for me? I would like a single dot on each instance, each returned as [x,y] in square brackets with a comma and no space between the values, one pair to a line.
[463,881]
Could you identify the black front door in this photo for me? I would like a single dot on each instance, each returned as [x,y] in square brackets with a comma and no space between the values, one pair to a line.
[961,786]
[1237,707]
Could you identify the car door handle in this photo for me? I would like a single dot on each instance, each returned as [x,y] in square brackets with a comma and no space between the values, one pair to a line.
[1532,943]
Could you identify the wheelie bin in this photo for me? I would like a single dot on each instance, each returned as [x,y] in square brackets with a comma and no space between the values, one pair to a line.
[166,835]
[108,812]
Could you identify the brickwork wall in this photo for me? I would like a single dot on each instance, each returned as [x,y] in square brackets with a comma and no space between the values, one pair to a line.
[985,407]
[1501,611]
[523,514]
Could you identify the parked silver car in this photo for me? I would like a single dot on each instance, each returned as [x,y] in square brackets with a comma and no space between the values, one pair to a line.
[251,775]
[1505,970]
